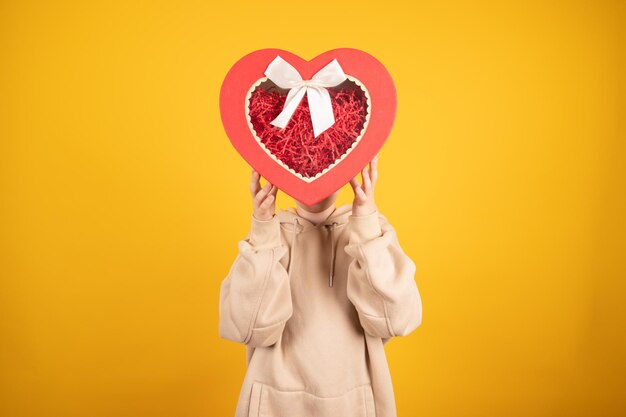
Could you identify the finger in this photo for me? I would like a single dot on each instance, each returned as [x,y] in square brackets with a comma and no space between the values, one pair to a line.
[374,169]
[354,182]
[367,183]
[255,185]
[260,196]
[361,195]
[259,203]
[272,192]
[267,203]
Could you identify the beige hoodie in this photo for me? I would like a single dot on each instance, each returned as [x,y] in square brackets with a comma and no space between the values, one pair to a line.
[315,305]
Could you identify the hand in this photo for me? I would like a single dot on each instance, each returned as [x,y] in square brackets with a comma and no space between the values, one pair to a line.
[263,199]
[364,194]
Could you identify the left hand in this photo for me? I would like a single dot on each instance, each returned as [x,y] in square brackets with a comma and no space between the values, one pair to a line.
[364,194]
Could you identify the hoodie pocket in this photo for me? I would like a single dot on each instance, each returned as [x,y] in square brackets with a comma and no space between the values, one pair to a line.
[267,401]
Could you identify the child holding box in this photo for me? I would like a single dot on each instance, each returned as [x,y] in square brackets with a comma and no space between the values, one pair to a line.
[315,293]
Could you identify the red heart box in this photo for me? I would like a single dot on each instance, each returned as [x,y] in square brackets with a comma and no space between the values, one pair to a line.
[360,67]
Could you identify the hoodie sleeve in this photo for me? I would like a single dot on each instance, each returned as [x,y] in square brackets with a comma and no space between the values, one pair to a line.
[381,283]
[255,297]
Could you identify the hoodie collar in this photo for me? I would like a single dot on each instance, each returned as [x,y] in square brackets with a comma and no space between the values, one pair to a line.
[296,224]
[340,216]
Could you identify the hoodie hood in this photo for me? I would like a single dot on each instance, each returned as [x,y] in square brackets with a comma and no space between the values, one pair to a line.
[296,224]
[339,215]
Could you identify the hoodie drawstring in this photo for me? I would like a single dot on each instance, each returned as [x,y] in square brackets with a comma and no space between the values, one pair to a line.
[331,228]
[293,244]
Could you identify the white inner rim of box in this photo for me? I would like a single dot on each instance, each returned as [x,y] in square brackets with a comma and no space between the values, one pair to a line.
[331,166]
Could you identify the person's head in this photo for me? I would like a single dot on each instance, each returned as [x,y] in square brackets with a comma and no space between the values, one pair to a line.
[321,205]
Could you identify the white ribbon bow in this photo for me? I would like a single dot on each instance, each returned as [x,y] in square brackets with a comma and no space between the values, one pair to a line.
[281,73]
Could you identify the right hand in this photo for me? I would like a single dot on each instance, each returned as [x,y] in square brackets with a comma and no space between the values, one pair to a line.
[263,199]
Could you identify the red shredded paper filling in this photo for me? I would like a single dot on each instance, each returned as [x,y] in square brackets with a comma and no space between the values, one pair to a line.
[295,145]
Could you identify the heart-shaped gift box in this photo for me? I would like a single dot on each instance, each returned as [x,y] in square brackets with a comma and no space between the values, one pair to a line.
[336,115]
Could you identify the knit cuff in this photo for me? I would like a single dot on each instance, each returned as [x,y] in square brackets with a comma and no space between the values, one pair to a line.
[265,233]
[364,228]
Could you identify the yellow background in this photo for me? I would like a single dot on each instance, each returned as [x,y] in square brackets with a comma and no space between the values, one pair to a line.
[122,201]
